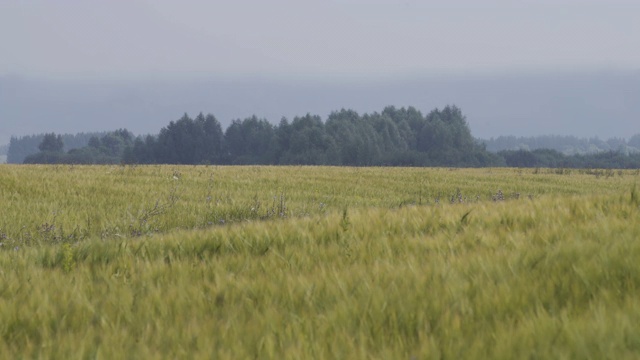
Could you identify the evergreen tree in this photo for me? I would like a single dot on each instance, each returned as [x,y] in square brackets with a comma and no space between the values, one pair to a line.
[251,141]
[51,143]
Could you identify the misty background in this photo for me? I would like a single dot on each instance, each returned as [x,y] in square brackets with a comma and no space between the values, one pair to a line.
[529,68]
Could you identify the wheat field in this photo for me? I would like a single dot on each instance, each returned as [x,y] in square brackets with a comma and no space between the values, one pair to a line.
[318,262]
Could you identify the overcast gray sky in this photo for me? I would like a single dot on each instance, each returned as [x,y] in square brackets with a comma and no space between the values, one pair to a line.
[328,38]
[515,67]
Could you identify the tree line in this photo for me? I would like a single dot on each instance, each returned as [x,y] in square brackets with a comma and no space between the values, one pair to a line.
[568,145]
[549,158]
[107,149]
[392,137]
[21,147]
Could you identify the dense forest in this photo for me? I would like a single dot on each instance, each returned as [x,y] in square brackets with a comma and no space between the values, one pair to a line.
[393,137]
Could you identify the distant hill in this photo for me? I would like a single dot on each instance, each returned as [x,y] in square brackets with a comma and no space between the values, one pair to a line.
[585,105]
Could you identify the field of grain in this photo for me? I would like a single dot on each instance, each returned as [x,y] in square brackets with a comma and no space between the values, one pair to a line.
[318,262]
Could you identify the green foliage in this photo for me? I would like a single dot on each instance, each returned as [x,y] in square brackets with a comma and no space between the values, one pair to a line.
[251,141]
[395,137]
[308,143]
[345,223]
[51,143]
[356,140]
[68,257]
[186,141]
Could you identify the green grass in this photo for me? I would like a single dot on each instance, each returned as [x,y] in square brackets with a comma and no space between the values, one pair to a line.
[379,270]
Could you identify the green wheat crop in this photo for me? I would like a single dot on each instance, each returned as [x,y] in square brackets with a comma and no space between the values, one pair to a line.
[318,262]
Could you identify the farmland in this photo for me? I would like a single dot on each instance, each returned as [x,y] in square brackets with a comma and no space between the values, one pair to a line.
[318,262]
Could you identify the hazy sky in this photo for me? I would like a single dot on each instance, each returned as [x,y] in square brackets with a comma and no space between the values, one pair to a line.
[96,65]
[326,39]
